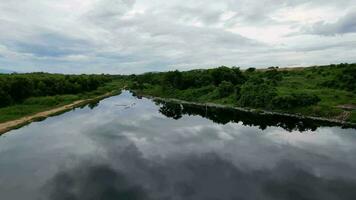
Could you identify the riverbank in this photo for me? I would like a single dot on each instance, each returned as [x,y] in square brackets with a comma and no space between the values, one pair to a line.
[251,110]
[14,124]
[326,92]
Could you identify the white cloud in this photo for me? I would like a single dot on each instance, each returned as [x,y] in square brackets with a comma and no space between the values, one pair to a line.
[128,36]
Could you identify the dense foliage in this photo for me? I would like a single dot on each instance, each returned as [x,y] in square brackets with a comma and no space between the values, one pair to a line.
[15,88]
[249,88]
[317,90]
[345,78]
[225,89]
[257,95]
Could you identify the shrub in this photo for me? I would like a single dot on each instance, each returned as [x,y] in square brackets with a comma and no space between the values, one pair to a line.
[257,95]
[295,100]
[225,89]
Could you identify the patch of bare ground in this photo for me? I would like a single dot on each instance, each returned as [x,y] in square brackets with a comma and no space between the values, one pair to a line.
[347,106]
[343,116]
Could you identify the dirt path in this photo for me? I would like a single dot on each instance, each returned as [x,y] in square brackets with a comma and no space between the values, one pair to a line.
[343,116]
[347,107]
[7,126]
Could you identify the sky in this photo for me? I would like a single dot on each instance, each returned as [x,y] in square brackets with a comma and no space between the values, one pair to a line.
[136,36]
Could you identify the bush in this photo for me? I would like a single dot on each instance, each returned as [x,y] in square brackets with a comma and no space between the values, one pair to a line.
[225,89]
[295,100]
[257,95]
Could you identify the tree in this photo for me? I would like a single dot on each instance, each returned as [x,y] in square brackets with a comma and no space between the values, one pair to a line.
[240,78]
[250,70]
[21,88]
[223,74]
[15,88]
[5,98]
[173,79]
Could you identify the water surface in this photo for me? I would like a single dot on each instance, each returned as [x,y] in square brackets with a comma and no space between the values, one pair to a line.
[133,148]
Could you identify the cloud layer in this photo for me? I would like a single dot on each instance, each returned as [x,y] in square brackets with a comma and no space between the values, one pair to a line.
[128,36]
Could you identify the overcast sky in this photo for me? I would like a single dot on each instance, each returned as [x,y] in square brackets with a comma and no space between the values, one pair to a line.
[134,36]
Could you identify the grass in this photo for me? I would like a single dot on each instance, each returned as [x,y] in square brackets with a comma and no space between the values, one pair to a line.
[39,104]
[353,116]
[34,105]
[309,83]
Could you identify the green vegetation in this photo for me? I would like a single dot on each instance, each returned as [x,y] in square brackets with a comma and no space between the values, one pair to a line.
[26,94]
[322,91]
[314,91]
[15,88]
[257,94]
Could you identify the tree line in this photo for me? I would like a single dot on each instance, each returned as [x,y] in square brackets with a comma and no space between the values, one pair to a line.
[249,88]
[14,88]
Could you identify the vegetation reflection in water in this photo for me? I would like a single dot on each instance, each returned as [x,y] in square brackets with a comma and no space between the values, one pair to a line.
[226,115]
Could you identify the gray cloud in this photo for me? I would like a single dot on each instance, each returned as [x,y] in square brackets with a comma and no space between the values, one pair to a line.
[111,8]
[51,45]
[346,24]
[127,36]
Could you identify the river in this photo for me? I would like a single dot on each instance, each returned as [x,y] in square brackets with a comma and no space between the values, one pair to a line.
[126,147]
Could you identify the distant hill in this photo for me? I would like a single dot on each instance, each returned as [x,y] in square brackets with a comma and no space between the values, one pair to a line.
[4,71]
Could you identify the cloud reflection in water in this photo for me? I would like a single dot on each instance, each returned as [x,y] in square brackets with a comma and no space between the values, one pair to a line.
[140,153]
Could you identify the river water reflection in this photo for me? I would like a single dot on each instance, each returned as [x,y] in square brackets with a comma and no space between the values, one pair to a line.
[131,148]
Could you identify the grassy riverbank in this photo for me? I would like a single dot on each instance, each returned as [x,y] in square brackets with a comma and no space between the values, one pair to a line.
[320,91]
[33,105]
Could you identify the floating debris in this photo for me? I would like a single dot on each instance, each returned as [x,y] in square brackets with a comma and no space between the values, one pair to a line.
[126,106]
